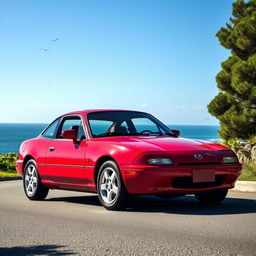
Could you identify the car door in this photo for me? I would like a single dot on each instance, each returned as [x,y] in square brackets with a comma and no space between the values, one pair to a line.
[66,158]
[45,137]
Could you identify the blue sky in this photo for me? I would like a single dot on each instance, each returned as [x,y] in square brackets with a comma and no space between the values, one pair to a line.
[156,56]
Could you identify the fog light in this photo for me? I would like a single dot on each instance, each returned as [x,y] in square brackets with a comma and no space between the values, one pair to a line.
[230,159]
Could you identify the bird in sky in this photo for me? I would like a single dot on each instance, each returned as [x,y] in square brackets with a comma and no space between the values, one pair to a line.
[54,39]
[45,49]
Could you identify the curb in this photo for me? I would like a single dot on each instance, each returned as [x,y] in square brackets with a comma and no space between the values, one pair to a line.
[245,186]
[10,178]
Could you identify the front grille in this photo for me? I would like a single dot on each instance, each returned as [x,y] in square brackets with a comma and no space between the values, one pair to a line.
[200,163]
[187,182]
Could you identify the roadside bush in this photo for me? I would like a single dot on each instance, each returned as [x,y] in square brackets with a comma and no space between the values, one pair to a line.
[249,171]
[7,162]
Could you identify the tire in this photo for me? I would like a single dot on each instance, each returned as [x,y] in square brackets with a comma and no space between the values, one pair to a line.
[32,185]
[211,197]
[110,187]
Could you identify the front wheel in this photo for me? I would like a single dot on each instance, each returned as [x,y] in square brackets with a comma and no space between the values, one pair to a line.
[211,197]
[32,185]
[111,190]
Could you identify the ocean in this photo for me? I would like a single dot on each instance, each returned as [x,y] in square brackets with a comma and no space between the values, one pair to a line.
[11,135]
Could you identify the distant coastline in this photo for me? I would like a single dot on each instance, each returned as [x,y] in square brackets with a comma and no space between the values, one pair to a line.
[12,134]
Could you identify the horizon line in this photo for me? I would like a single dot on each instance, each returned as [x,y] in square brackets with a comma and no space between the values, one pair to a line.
[50,122]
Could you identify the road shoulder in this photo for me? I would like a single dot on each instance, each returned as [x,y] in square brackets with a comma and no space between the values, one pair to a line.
[245,186]
[10,178]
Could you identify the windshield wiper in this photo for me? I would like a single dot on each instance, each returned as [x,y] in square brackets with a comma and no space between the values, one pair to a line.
[135,134]
[157,133]
[146,134]
[153,133]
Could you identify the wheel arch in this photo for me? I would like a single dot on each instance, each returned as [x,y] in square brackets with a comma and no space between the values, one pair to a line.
[99,163]
[26,159]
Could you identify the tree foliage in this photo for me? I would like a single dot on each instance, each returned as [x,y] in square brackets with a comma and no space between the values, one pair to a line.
[235,105]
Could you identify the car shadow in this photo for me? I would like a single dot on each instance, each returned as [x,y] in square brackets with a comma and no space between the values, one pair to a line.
[90,200]
[35,250]
[181,205]
[188,205]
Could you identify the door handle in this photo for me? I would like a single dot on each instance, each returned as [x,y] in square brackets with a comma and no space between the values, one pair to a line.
[51,148]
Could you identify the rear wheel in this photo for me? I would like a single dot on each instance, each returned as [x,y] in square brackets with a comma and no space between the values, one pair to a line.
[111,190]
[211,197]
[32,185]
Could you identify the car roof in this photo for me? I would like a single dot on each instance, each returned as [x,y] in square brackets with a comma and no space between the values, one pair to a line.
[87,111]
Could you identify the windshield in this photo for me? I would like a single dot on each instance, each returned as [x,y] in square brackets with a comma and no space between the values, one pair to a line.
[125,123]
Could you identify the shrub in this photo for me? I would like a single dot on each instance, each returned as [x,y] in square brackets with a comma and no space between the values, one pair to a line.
[7,162]
[249,171]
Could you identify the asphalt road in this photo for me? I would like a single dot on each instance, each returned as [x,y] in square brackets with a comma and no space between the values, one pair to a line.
[72,223]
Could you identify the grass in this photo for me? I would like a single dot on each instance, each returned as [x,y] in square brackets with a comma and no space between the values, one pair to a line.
[249,172]
[8,174]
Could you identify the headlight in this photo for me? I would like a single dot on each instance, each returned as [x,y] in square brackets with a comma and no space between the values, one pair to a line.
[160,161]
[230,159]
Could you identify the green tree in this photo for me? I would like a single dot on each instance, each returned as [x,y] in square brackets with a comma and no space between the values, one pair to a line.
[235,105]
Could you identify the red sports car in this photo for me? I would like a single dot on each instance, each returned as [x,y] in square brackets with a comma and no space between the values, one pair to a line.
[117,153]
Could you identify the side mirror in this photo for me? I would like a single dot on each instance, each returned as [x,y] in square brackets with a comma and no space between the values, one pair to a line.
[69,134]
[176,132]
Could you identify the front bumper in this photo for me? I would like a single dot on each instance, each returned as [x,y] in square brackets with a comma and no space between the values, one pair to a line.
[176,179]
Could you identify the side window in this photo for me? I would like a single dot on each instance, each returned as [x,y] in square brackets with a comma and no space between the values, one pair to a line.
[72,123]
[51,130]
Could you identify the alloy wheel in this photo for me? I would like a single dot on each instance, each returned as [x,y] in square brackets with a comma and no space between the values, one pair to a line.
[31,179]
[109,185]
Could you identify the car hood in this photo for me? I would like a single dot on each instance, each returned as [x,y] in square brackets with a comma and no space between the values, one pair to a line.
[160,143]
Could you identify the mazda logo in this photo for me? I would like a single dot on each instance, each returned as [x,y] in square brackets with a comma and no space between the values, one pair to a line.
[198,156]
